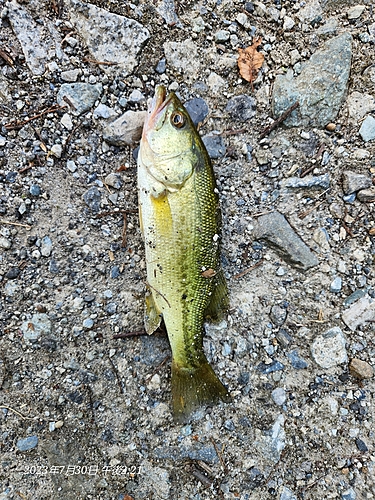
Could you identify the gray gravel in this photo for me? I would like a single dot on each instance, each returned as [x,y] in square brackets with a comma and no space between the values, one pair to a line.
[85,414]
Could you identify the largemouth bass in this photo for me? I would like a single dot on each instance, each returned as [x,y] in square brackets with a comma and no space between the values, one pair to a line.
[180,222]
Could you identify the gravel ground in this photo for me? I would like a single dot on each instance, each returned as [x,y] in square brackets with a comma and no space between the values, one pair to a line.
[87,415]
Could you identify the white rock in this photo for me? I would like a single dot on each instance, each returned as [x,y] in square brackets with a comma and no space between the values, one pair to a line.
[356,11]
[66,121]
[288,23]
[328,349]
[57,150]
[362,311]
[109,37]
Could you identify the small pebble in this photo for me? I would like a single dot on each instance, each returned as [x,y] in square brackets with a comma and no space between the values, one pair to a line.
[56,150]
[88,323]
[361,445]
[279,396]
[360,369]
[215,146]
[35,190]
[331,127]
[274,366]
[27,443]
[336,285]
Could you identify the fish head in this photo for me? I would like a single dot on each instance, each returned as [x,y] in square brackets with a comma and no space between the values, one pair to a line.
[170,145]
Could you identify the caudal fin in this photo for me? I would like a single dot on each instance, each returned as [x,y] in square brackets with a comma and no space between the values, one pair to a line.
[194,387]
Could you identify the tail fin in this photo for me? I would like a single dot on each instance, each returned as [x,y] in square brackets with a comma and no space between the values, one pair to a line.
[193,387]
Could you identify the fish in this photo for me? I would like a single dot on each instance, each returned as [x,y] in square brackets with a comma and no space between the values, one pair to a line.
[180,221]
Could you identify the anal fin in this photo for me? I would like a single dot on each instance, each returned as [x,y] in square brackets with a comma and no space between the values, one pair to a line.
[219,302]
[152,318]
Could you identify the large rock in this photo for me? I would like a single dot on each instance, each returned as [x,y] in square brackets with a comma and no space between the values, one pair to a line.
[276,230]
[320,87]
[109,37]
[40,41]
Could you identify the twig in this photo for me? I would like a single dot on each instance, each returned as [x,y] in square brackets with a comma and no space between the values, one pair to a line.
[239,275]
[16,412]
[157,291]
[15,224]
[233,132]
[129,334]
[262,213]
[279,120]
[219,455]
[304,214]
[117,375]
[6,58]
[123,234]
[106,63]
[158,367]
[16,125]
[307,171]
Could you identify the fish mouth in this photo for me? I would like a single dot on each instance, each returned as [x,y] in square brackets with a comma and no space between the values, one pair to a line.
[156,107]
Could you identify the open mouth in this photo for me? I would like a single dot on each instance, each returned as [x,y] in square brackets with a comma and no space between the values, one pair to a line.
[157,105]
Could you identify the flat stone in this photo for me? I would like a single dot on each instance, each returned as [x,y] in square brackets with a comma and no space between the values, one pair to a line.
[27,443]
[125,130]
[222,36]
[360,104]
[366,195]
[197,109]
[308,182]
[328,28]
[276,230]
[360,312]
[5,95]
[103,111]
[367,130]
[336,285]
[353,182]
[39,42]
[271,443]
[319,88]
[40,324]
[360,369]
[70,75]
[80,96]
[328,349]
[241,107]
[109,37]
[184,57]
[356,11]
[215,146]
[274,366]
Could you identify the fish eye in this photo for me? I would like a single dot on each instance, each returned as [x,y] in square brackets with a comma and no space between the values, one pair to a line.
[178,119]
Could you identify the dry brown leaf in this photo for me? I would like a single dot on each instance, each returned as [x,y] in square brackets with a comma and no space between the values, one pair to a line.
[208,273]
[250,61]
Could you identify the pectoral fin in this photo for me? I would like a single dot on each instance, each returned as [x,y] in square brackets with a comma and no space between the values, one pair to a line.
[219,302]
[152,315]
